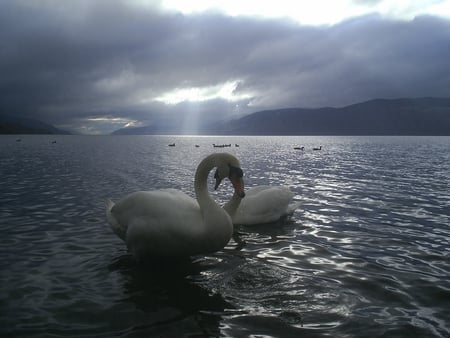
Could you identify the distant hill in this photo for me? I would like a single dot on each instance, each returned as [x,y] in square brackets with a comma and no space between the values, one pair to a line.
[419,116]
[424,116]
[14,125]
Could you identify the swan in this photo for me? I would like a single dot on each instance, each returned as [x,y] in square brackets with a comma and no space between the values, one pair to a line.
[170,224]
[262,204]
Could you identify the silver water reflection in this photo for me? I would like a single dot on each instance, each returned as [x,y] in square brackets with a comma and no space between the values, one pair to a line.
[367,253]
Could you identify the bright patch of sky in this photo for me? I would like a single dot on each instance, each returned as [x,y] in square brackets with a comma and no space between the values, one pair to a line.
[100,125]
[224,91]
[317,12]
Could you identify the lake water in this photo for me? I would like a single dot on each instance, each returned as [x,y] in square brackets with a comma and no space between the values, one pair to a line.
[366,255]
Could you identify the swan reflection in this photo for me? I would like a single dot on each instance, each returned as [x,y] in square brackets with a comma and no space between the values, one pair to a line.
[168,299]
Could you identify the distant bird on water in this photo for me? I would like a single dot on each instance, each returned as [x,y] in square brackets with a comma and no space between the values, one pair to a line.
[320,148]
[299,148]
[172,145]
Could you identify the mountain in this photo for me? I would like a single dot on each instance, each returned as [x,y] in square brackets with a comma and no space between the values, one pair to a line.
[15,125]
[418,116]
[422,116]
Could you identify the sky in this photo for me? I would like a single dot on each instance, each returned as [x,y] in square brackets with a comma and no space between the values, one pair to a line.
[93,67]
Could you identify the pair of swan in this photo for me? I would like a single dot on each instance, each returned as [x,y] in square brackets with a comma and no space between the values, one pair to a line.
[168,223]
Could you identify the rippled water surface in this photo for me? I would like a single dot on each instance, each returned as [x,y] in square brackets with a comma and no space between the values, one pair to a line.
[366,254]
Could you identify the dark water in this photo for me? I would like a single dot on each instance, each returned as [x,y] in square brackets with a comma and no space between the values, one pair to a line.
[367,254]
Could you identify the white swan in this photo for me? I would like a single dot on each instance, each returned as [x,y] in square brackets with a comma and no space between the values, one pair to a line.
[262,204]
[170,224]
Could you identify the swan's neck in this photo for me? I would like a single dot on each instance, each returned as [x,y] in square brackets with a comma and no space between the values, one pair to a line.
[232,205]
[200,184]
[201,187]
[217,227]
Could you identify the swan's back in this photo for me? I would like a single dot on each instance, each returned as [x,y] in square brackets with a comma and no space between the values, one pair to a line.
[163,223]
[265,204]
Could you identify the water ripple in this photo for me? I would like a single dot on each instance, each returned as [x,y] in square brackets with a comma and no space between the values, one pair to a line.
[366,254]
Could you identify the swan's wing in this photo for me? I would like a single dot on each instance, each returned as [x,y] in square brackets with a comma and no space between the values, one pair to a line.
[158,221]
[264,204]
[258,189]
[160,207]
[265,198]
[158,203]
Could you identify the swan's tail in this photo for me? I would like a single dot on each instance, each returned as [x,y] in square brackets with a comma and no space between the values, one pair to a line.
[115,226]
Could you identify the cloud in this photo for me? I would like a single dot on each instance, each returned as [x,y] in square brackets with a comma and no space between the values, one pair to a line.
[97,66]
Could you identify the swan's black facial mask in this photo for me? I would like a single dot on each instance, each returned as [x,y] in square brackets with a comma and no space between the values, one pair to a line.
[235,175]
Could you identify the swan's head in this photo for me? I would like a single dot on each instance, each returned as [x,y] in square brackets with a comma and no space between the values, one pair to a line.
[231,168]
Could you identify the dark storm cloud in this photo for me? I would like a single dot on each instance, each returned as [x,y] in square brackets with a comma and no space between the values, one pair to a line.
[68,62]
